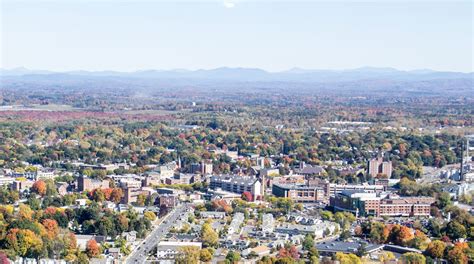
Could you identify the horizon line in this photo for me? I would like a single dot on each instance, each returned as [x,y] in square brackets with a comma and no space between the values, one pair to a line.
[237,67]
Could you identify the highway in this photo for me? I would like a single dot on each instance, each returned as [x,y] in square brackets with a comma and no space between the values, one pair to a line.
[140,253]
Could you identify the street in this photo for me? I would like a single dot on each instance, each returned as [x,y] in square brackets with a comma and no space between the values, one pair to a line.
[140,254]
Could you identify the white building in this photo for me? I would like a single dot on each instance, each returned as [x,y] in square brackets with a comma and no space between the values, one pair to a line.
[234,226]
[268,223]
[169,249]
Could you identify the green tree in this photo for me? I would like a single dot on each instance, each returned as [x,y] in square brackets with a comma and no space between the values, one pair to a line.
[233,257]
[436,249]
[413,258]
[308,242]
[455,230]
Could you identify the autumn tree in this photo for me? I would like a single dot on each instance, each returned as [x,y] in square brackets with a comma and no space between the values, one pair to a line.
[209,236]
[413,258]
[348,258]
[188,254]
[436,249]
[39,187]
[52,229]
[149,215]
[24,242]
[401,235]
[205,255]
[247,196]
[116,195]
[92,248]
[457,255]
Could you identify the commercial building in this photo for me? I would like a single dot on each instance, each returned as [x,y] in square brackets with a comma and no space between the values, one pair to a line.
[21,185]
[203,168]
[183,179]
[332,188]
[370,204]
[85,183]
[236,184]
[379,167]
[299,192]
[167,201]
[395,205]
[130,195]
[167,170]
[330,248]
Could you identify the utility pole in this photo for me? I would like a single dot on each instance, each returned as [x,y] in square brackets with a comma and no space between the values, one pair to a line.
[461,178]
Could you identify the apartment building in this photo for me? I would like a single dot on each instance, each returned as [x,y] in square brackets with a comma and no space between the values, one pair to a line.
[236,184]
[379,167]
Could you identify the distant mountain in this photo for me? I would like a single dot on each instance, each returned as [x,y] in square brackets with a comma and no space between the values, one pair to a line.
[21,71]
[254,75]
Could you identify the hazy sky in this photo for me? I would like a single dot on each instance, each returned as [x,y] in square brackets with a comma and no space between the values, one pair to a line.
[272,35]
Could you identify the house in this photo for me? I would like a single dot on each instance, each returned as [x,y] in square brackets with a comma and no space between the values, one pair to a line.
[81,202]
[213,215]
[114,252]
[169,249]
[83,239]
[130,236]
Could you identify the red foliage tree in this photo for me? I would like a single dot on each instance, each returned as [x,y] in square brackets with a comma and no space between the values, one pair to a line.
[247,196]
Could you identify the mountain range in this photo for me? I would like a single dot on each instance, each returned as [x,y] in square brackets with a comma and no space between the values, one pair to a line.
[249,74]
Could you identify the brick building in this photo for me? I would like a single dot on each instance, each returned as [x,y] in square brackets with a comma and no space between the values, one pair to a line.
[299,192]
[378,166]
[85,183]
[364,204]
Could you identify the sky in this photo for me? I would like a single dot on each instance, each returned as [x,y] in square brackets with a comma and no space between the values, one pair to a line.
[272,35]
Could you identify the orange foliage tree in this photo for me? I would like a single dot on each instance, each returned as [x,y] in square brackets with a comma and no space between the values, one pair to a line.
[39,187]
[92,248]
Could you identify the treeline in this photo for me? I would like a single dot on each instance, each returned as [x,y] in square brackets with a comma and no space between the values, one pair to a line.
[149,143]
[50,233]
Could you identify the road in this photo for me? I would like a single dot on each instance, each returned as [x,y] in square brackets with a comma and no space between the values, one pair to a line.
[140,253]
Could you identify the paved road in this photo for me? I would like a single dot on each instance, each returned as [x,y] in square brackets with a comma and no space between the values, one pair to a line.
[140,254]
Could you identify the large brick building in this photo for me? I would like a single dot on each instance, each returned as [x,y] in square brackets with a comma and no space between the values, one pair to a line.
[379,167]
[299,192]
[406,206]
[363,203]
[87,184]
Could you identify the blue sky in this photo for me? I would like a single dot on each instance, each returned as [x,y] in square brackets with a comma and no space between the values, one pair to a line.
[272,35]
